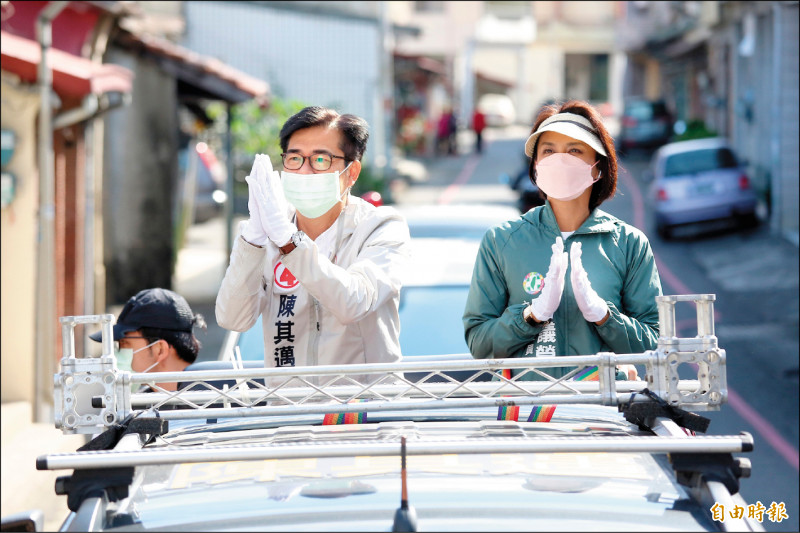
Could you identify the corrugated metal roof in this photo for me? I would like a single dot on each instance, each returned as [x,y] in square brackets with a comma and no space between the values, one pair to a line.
[194,69]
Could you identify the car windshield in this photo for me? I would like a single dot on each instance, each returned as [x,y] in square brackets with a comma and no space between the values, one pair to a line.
[698,161]
[442,305]
[419,308]
[447,232]
[641,111]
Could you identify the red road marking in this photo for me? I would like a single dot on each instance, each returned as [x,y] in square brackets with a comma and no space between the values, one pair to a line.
[466,173]
[750,415]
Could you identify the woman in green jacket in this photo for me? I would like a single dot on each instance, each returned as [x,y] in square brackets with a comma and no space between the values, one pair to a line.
[565,278]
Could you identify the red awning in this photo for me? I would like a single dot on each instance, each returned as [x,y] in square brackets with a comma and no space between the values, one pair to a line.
[73,76]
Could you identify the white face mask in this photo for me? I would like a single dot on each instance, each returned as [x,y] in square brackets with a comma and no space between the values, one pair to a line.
[313,194]
[125,361]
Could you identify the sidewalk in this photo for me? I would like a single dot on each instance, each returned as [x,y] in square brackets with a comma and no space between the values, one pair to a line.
[23,487]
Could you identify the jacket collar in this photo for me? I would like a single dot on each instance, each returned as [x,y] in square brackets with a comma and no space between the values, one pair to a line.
[598,222]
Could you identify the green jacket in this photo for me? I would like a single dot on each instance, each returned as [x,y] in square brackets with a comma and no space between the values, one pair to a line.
[513,259]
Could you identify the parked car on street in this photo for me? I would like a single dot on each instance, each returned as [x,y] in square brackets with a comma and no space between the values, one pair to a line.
[644,124]
[311,449]
[498,109]
[521,182]
[699,181]
[203,181]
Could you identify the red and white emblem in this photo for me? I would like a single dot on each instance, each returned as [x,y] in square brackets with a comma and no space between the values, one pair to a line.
[283,278]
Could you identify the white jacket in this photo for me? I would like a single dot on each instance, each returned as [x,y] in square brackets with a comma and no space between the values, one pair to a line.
[323,312]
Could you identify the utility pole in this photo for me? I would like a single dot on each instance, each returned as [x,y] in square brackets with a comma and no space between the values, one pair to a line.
[46,319]
[385,112]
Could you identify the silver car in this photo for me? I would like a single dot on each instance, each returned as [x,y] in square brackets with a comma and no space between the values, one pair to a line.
[313,449]
[700,180]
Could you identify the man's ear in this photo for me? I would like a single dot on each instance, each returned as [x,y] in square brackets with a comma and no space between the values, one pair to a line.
[353,173]
[162,350]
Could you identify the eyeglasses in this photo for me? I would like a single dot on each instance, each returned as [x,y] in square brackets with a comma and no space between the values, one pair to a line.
[319,161]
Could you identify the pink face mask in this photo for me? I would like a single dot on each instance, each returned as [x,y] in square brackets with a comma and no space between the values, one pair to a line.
[564,176]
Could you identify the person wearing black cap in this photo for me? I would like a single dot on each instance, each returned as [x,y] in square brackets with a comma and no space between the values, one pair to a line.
[154,333]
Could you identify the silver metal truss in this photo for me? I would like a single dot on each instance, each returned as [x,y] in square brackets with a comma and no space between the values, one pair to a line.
[91,394]
[582,444]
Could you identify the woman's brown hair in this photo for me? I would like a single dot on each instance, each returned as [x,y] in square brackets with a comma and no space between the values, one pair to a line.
[606,186]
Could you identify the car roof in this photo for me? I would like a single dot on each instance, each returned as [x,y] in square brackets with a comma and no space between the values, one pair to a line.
[456,215]
[447,261]
[462,491]
[445,240]
[691,146]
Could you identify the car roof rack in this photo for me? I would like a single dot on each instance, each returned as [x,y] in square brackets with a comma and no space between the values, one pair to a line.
[92,394]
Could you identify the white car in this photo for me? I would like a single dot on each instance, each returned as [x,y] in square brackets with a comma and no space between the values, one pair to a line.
[498,109]
[444,244]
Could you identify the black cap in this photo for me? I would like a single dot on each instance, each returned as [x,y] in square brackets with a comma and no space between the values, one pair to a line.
[153,308]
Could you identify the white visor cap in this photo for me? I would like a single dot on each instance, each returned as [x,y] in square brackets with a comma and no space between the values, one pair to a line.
[571,125]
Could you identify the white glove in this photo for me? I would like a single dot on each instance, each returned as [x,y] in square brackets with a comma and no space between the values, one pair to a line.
[265,185]
[546,304]
[593,307]
[253,232]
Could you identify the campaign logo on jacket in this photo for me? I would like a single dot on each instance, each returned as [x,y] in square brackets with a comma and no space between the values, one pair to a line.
[284,280]
[533,283]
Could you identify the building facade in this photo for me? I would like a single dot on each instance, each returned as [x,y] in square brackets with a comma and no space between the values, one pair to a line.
[534,52]
[334,54]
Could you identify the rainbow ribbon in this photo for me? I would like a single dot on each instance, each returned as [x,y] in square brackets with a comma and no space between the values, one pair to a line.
[506,372]
[542,413]
[588,374]
[335,419]
[508,412]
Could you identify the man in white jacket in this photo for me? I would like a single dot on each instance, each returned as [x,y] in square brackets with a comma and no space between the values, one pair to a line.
[322,267]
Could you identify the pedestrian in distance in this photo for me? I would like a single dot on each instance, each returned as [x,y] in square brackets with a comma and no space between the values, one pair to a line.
[322,267]
[443,132]
[478,124]
[452,132]
[565,278]
[154,333]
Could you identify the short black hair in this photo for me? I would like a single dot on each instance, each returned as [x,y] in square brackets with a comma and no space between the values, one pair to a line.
[355,131]
[185,343]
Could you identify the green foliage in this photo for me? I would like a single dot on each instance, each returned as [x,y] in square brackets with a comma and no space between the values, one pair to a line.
[695,129]
[368,181]
[255,130]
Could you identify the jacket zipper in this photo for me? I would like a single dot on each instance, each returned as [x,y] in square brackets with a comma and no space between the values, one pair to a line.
[314,355]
